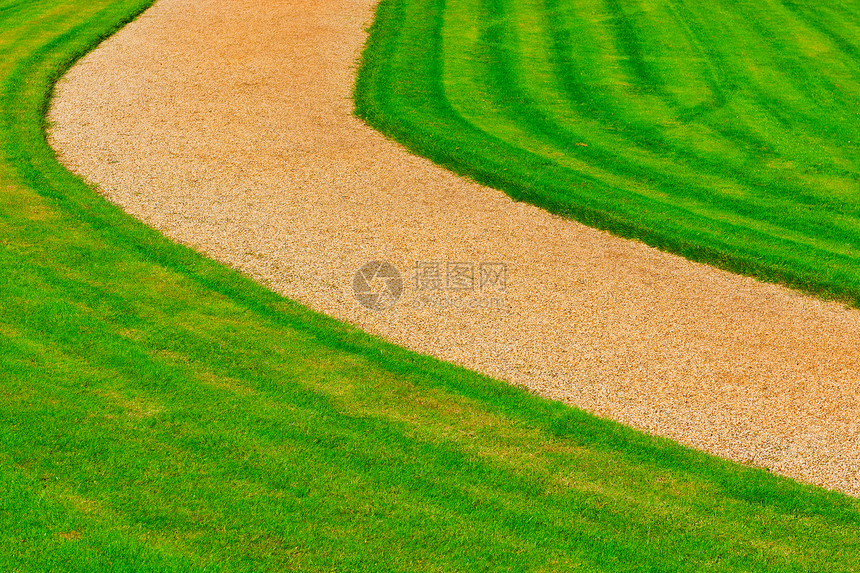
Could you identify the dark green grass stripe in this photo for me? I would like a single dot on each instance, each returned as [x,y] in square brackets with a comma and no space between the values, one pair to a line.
[643,74]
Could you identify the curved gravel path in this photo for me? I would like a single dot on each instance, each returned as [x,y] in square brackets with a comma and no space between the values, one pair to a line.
[227,125]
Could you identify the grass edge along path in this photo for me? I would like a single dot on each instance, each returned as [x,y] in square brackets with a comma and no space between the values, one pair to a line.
[159,411]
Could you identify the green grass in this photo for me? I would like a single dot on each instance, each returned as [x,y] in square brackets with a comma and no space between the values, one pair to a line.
[160,412]
[724,131]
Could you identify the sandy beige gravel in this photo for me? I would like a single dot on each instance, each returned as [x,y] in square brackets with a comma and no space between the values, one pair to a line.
[227,125]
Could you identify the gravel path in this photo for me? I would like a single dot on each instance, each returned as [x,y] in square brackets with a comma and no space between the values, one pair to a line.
[227,125]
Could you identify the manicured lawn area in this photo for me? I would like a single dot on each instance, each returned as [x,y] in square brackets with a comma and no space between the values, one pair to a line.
[160,412]
[725,131]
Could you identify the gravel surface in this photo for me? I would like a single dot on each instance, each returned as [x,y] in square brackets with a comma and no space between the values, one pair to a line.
[227,125]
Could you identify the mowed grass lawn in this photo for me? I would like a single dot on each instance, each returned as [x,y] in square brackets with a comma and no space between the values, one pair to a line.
[727,131]
[160,412]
